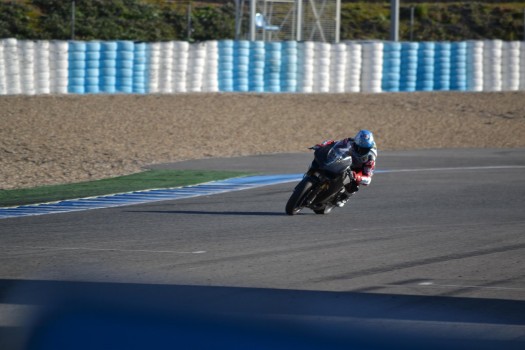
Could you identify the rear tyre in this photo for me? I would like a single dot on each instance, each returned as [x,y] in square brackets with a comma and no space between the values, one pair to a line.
[298,197]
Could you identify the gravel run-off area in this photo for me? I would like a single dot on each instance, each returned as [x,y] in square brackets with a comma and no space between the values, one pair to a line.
[53,139]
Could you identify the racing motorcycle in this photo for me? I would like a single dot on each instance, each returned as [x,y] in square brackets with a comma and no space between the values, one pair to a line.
[323,184]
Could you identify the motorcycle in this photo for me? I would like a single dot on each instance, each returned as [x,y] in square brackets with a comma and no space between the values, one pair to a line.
[323,184]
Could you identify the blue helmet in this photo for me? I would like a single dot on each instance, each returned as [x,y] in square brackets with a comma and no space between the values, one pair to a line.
[363,142]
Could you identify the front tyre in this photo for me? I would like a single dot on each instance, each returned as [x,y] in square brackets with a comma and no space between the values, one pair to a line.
[298,197]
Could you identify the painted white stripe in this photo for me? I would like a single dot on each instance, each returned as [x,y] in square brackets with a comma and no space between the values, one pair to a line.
[106,250]
[454,168]
[455,286]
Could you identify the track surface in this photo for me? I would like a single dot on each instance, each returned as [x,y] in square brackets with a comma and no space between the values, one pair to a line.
[433,251]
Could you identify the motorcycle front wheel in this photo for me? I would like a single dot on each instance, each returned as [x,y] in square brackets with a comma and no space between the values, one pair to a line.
[298,197]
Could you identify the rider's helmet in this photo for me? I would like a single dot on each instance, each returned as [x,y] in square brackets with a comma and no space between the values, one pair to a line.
[363,142]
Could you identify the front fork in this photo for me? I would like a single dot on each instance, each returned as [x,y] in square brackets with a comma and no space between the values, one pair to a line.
[324,184]
[320,185]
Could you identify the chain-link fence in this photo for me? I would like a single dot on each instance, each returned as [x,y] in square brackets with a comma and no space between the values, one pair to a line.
[282,20]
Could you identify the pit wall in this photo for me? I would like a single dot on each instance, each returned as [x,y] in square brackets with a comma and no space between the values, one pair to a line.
[75,67]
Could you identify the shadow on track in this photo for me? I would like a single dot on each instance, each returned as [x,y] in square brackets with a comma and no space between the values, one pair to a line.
[202,212]
[92,315]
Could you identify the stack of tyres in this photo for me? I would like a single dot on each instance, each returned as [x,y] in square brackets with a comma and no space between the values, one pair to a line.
[353,67]
[391,67]
[77,67]
[153,71]
[92,67]
[272,68]
[322,62]
[181,51]
[125,53]
[211,68]
[289,66]
[196,67]
[458,66]
[475,66]
[241,65]
[409,63]
[442,66]
[12,67]
[59,66]
[305,67]
[26,54]
[511,66]
[372,68]
[522,65]
[338,65]
[166,63]
[225,65]
[492,54]
[256,68]
[139,68]
[3,84]
[425,66]
[108,67]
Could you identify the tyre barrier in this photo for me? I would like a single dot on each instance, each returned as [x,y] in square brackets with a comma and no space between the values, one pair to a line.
[372,67]
[458,66]
[391,80]
[139,68]
[77,67]
[305,66]
[338,63]
[225,71]
[256,66]
[408,69]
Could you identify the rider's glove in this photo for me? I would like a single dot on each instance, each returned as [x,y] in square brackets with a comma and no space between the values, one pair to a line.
[365,180]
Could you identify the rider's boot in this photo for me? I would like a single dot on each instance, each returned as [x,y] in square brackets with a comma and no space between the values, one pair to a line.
[343,198]
[346,193]
[341,201]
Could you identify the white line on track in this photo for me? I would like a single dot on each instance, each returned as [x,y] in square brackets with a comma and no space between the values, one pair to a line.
[437,285]
[108,250]
[455,168]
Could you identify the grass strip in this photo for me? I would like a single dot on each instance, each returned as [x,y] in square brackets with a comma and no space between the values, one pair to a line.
[141,181]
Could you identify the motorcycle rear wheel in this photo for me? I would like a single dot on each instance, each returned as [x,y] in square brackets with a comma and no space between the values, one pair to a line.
[298,197]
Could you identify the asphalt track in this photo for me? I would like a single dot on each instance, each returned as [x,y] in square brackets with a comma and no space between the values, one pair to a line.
[431,254]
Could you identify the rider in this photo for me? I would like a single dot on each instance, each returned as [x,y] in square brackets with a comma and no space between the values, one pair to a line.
[364,153]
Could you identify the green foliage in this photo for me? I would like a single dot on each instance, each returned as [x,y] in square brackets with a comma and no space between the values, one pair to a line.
[138,20]
[105,20]
[213,23]
[435,21]
[14,21]
[421,10]
[160,20]
[362,21]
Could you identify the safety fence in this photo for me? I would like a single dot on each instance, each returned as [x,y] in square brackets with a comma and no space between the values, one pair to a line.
[61,67]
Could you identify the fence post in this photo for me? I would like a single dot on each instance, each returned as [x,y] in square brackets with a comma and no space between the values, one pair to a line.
[412,23]
[189,21]
[299,20]
[73,20]
[253,11]
[394,20]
